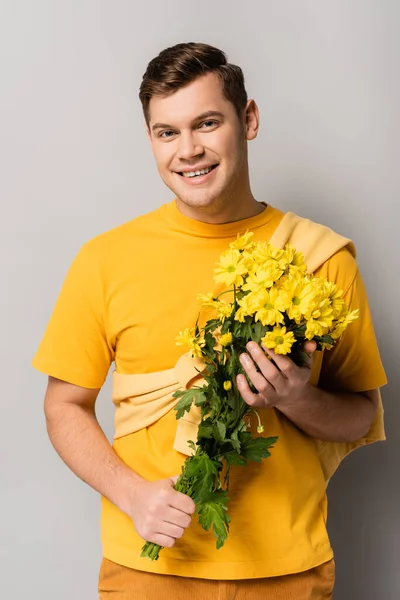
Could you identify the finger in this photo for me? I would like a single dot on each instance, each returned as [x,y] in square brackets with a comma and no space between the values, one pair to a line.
[162,540]
[174,479]
[177,517]
[269,370]
[307,360]
[310,347]
[169,529]
[260,382]
[285,365]
[248,396]
[183,503]
[290,369]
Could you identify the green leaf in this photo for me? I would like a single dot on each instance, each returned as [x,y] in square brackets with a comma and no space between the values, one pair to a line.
[213,513]
[204,472]
[212,324]
[247,332]
[233,458]
[201,466]
[258,331]
[257,448]
[324,339]
[215,401]
[219,496]
[209,347]
[187,397]
[204,431]
[226,326]
[233,364]
[299,330]
[238,329]
[191,445]
[219,431]
[234,440]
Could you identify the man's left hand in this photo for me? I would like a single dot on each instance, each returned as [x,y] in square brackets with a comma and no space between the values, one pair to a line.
[276,385]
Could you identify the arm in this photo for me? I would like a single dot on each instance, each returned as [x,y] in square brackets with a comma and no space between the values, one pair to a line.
[160,514]
[334,417]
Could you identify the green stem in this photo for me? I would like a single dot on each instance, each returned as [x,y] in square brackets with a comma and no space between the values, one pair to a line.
[257,415]
[151,551]
[226,292]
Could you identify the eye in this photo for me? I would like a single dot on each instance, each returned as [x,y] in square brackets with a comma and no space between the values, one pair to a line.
[166,134]
[208,124]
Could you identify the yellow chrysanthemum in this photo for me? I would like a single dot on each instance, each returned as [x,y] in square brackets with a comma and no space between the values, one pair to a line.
[264,252]
[342,324]
[335,295]
[296,263]
[280,256]
[319,318]
[269,306]
[260,252]
[243,242]
[326,346]
[297,294]
[187,337]
[263,278]
[223,309]
[227,385]
[230,269]
[246,307]
[249,261]
[346,313]
[279,340]
[206,300]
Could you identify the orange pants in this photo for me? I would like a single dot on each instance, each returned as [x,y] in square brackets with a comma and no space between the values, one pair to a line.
[122,583]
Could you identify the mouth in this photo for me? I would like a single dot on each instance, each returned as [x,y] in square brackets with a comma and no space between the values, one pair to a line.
[192,175]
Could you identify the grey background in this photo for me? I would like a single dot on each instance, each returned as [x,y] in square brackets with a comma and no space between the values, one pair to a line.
[75,161]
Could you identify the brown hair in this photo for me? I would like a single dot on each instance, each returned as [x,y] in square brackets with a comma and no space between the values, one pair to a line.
[181,64]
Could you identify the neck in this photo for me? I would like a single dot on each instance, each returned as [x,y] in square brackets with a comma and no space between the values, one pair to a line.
[225,210]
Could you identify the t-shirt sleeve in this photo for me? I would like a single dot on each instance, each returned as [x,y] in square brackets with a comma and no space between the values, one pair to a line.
[74,347]
[354,363]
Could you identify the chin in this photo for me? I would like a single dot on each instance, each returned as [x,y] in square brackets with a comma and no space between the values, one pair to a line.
[201,198]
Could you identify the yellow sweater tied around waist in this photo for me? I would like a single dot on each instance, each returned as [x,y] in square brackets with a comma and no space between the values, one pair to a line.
[142,399]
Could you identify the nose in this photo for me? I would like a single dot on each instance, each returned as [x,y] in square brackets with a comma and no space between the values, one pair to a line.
[189,146]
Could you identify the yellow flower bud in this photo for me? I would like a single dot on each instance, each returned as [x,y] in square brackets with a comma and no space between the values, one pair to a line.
[227,385]
[225,339]
[260,429]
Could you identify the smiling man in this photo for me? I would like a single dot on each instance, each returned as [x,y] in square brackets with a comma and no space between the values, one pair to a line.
[128,293]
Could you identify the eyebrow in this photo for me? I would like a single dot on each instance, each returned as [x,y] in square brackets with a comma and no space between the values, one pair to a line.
[205,115]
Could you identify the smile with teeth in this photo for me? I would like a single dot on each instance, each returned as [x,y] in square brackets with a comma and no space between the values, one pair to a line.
[198,173]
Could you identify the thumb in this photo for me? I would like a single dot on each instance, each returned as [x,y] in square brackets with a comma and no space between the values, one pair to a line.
[310,347]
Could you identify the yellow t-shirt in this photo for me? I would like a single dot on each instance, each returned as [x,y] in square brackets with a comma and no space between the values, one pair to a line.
[127,294]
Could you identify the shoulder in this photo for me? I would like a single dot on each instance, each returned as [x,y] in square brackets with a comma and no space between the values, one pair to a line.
[119,241]
[341,268]
[323,248]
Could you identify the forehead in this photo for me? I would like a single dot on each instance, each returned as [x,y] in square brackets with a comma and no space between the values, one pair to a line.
[183,106]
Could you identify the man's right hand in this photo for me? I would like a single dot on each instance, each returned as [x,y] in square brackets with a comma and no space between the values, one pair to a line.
[159,513]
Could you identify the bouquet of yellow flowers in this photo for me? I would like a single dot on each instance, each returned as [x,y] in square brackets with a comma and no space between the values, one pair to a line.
[274,302]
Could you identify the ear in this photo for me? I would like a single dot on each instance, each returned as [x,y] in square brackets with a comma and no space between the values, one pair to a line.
[252,120]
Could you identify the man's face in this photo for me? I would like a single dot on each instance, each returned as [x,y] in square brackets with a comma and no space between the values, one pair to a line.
[196,129]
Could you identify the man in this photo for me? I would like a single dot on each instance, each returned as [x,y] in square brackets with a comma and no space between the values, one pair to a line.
[126,296]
